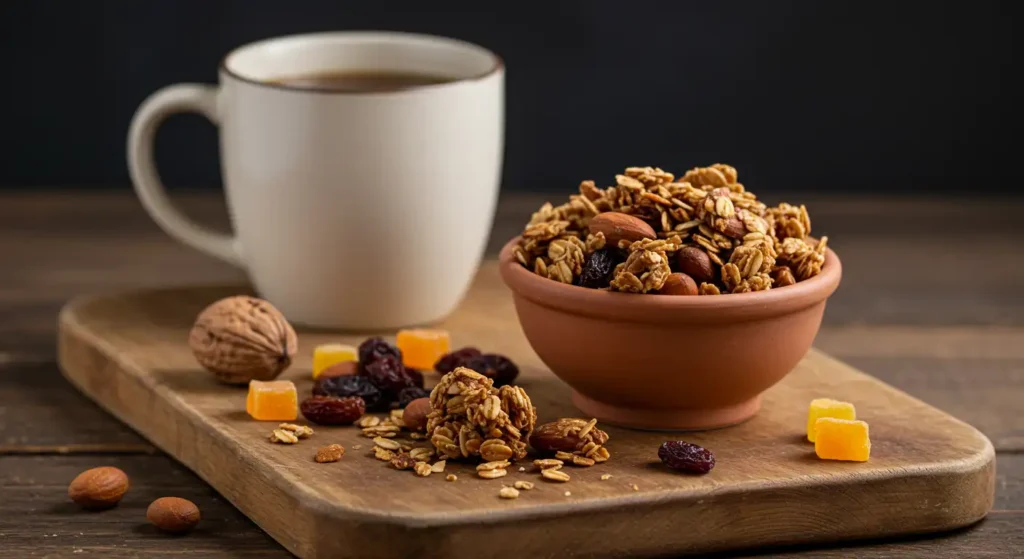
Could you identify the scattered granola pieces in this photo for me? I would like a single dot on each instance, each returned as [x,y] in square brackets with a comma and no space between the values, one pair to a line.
[574,440]
[421,454]
[383,454]
[492,474]
[583,461]
[563,456]
[507,492]
[422,469]
[555,474]
[451,477]
[329,453]
[402,461]
[368,421]
[357,447]
[606,477]
[496,465]
[522,468]
[635,488]
[396,417]
[300,431]
[568,493]
[650,214]
[387,443]
[469,417]
[548,463]
[283,437]
[438,467]
[524,485]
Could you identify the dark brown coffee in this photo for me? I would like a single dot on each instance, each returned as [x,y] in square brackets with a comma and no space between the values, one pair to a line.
[365,81]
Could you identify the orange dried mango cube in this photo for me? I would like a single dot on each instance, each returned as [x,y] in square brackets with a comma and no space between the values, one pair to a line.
[842,439]
[421,348]
[826,407]
[326,355]
[274,400]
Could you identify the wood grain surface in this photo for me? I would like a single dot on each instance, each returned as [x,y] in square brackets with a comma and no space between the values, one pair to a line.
[951,335]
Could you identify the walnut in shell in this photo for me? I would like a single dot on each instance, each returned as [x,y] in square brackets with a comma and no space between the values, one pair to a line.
[243,338]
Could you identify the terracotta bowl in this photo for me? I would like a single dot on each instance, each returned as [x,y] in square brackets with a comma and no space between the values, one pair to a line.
[668,362]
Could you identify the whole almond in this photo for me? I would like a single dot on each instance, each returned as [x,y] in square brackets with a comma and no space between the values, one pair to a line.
[734,228]
[679,284]
[243,338]
[415,416]
[695,263]
[621,227]
[173,514]
[99,488]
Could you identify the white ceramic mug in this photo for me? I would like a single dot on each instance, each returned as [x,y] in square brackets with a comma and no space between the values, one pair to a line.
[353,210]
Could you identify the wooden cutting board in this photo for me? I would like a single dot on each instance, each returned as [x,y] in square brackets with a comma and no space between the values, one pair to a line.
[928,471]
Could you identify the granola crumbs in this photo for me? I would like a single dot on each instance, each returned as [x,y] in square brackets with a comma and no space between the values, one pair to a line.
[383,454]
[421,454]
[368,421]
[524,485]
[606,477]
[492,474]
[635,488]
[283,437]
[548,463]
[403,461]
[555,474]
[387,444]
[438,467]
[451,477]
[422,469]
[507,492]
[329,453]
[568,493]
[300,431]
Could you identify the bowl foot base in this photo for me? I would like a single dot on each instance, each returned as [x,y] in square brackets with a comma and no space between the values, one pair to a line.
[668,419]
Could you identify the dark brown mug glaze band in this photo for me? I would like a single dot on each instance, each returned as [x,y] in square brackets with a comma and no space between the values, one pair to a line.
[668,309]
[498,65]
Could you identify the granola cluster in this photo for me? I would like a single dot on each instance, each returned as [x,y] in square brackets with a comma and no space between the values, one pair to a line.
[650,223]
[470,418]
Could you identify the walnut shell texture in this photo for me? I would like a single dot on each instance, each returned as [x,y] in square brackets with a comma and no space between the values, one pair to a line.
[243,338]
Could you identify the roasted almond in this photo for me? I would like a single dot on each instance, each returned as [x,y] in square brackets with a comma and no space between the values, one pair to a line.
[695,263]
[679,284]
[173,514]
[99,488]
[415,416]
[621,227]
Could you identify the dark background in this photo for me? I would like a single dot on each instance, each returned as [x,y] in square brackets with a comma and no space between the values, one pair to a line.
[813,95]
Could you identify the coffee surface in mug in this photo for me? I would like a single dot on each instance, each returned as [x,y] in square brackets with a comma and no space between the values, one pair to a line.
[361,81]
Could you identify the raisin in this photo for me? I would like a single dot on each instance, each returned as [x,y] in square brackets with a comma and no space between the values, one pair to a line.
[351,385]
[598,268]
[330,410]
[388,374]
[496,367]
[686,457]
[458,358]
[413,377]
[375,348]
[411,393]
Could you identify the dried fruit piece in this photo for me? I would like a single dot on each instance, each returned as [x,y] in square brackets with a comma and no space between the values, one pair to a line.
[842,439]
[827,407]
[598,268]
[275,400]
[508,493]
[99,488]
[413,377]
[387,373]
[329,453]
[567,434]
[326,355]
[687,457]
[408,395]
[374,348]
[422,347]
[331,410]
[342,386]
[173,514]
[243,338]
[458,358]
[496,367]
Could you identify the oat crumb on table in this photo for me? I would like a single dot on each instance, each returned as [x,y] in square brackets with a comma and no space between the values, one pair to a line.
[605,477]
[451,477]
[508,493]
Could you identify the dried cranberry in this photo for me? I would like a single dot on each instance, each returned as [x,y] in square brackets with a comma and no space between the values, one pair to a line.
[352,385]
[373,349]
[687,457]
[598,268]
[458,358]
[413,377]
[329,410]
[411,393]
[498,368]
[388,374]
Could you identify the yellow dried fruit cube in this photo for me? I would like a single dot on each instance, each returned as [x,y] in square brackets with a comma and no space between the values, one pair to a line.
[331,354]
[826,407]
[421,348]
[842,439]
[274,400]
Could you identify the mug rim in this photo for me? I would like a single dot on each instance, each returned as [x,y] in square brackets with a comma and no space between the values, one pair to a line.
[498,64]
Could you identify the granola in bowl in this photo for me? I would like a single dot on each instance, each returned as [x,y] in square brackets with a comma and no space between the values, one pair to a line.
[635,235]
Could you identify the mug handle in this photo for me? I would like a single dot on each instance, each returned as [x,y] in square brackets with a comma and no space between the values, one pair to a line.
[180,98]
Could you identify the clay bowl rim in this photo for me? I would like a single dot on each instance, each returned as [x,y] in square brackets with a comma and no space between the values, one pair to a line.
[646,308]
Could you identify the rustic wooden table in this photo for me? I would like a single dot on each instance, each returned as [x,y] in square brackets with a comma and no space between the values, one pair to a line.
[931,302]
